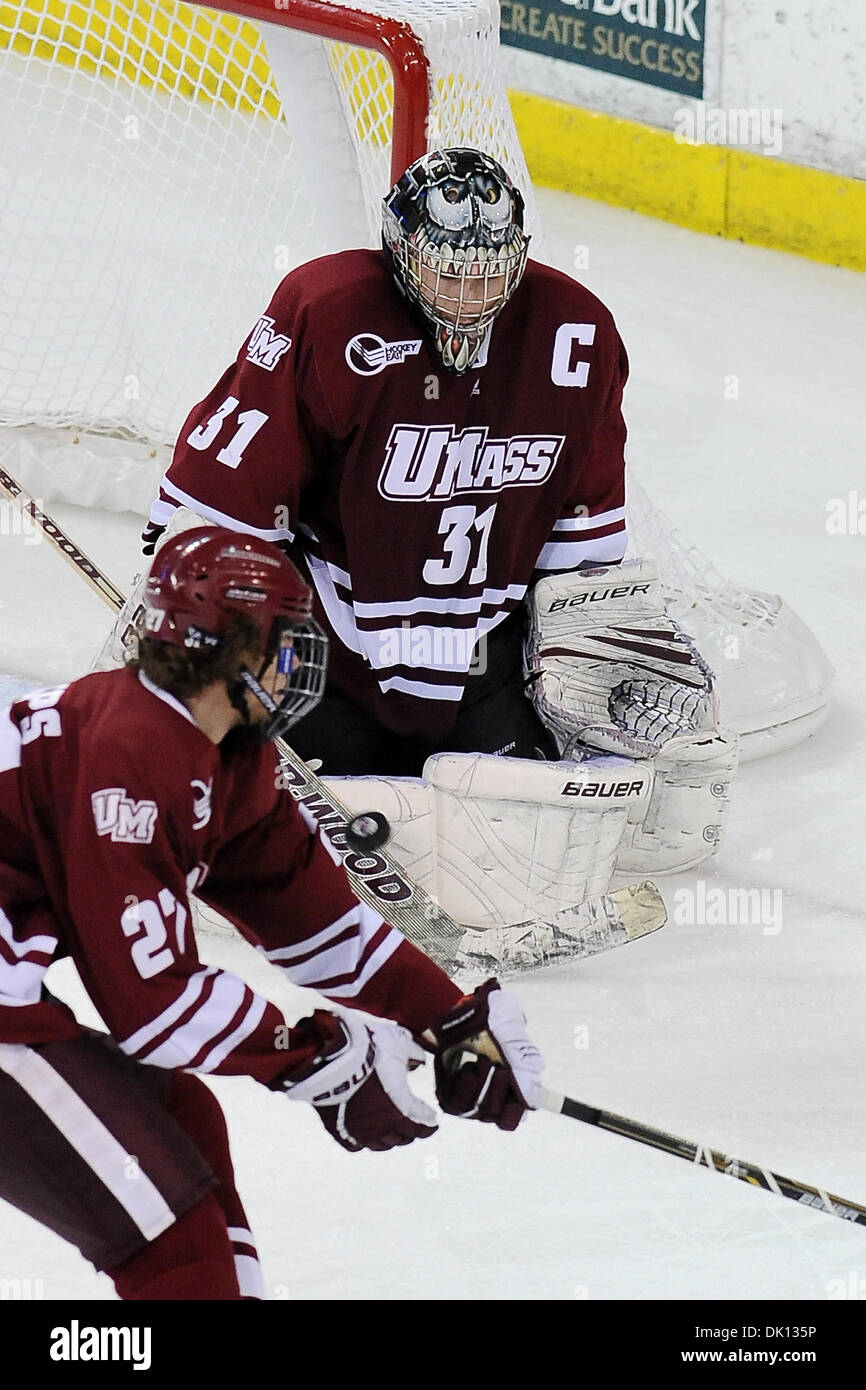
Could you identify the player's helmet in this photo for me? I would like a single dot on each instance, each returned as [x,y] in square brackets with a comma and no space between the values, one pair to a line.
[452,229]
[206,578]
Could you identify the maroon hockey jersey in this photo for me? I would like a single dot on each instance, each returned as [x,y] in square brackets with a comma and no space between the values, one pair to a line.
[114,808]
[421,502]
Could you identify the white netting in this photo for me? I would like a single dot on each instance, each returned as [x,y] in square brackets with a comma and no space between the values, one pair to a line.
[164,166]
[468,104]
[772,674]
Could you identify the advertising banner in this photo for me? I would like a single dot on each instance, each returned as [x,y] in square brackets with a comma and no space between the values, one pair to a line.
[656,41]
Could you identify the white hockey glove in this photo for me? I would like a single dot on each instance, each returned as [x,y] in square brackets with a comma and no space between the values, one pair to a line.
[357,1081]
[608,669]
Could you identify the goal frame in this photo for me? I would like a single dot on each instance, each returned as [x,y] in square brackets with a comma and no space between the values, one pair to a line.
[396,42]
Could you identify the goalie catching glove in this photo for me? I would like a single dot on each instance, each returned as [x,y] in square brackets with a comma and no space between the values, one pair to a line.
[502,1080]
[356,1079]
[609,670]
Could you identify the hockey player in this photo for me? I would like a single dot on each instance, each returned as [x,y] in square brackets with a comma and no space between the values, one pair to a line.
[435,432]
[427,427]
[122,794]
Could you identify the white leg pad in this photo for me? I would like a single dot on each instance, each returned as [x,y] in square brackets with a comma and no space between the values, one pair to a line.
[685,819]
[517,839]
[500,840]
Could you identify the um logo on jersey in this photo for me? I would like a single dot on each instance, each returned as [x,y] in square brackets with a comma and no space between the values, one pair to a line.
[265,348]
[126,821]
[437,461]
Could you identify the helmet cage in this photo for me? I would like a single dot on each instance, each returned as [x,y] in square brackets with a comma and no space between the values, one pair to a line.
[301,654]
[453,228]
[459,291]
[206,578]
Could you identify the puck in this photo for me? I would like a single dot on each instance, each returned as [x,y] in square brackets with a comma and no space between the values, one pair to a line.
[367,832]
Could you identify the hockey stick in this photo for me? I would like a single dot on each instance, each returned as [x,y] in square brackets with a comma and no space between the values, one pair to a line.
[699,1154]
[377,880]
[59,539]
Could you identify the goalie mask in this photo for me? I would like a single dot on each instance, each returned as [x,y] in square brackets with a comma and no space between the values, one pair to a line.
[204,580]
[453,232]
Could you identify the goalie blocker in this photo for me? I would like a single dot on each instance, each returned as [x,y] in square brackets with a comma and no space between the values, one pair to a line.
[608,670]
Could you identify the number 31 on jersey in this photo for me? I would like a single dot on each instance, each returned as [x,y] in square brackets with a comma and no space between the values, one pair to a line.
[249,422]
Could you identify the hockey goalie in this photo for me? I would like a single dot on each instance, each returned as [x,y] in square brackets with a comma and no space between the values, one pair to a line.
[641,785]
[434,433]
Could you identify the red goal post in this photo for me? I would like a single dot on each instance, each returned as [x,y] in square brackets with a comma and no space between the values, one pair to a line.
[397,42]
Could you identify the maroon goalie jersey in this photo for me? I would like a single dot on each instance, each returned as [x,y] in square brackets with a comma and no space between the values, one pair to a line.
[114,808]
[421,502]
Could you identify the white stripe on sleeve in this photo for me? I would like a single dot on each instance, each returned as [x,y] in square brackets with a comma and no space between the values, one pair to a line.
[285,955]
[323,958]
[21,980]
[351,988]
[248,1025]
[148,1031]
[208,1021]
[589,523]
[278,533]
[567,555]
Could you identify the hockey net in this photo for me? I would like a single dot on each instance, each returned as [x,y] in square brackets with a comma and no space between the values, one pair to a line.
[163,165]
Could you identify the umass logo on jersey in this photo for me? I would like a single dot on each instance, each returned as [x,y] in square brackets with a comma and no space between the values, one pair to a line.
[435,461]
[265,347]
[368,354]
[121,817]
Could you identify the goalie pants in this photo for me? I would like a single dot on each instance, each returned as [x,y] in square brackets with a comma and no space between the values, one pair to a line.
[128,1162]
[494,716]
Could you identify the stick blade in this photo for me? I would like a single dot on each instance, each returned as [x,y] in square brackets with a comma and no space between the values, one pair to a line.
[641,909]
[588,928]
